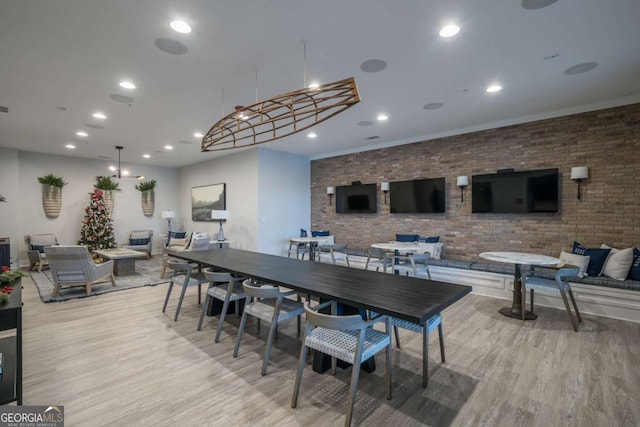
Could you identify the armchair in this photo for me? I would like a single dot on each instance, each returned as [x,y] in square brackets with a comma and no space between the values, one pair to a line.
[73,266]
[35,249]
[140,240]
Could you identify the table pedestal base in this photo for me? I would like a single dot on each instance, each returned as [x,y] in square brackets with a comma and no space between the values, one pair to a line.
[508,311]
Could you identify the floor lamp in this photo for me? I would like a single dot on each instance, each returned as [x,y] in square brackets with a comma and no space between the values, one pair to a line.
[168,215]
[220,216]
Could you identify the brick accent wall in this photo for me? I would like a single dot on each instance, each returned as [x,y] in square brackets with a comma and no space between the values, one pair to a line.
[607,141]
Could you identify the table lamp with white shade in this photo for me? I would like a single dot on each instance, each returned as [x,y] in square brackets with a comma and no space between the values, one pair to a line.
[220,216]
[168,215]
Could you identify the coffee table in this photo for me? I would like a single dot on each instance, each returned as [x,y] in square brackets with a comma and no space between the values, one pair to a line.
[124,260]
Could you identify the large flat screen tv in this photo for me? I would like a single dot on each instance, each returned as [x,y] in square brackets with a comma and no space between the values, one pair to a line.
[357,198]
[417,196]
[515,192]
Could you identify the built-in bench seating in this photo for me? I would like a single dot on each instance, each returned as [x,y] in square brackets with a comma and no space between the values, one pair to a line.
[495,267]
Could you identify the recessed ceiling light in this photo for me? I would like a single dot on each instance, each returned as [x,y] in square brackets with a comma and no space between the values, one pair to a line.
[99,115]
[112,168]
[198,135]
[168,147]
[146,156]
[449,30]
[314,85]
[125,172]
[494,88]
[82,134]
[382,117]
[312,135]
[180,27]
[70,146]
[127,85]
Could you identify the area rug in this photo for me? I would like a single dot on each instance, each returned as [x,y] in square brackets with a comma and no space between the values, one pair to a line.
[147,274]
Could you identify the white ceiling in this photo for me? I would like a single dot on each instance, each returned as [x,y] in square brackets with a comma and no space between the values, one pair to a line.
[73,53]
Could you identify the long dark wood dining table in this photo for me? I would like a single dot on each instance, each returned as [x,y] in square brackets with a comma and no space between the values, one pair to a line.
[408,298]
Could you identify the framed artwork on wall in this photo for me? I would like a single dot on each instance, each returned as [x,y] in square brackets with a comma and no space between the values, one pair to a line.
[207,198]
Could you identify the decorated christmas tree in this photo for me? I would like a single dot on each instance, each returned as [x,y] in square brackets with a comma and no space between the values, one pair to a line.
[97,228]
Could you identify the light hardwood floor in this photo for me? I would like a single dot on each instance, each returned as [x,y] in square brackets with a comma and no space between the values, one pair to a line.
[116,360]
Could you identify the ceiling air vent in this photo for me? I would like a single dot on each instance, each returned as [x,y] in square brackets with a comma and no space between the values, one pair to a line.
[4,109]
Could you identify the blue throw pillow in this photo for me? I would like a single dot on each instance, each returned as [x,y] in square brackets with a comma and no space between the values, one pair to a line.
[303,232]
[634,272]
[139,242]
[319,233]
[597,257]
[406,237]
[424,239]
[38,248]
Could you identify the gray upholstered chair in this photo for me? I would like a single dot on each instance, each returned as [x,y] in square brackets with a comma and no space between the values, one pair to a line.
[378,259]
[184,276]
[412,264]
[140,240]
[348,338]
[267,303]
[226,288]
[557,286]
[35,249]
[73,266]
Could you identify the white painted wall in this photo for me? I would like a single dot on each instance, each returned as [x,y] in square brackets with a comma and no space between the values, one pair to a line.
[284,198]
[80,176]
[268,197]
[239,172]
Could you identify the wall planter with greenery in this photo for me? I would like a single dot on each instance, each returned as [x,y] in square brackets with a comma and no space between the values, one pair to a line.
[51,194]
[108,186]
[148,197]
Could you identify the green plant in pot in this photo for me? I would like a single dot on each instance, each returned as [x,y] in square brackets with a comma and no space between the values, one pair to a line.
[51,194]
[148,198]
[108,186]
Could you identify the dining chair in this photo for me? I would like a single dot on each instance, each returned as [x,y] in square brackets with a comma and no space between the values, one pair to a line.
[348,338]
[268,303]
[378,258]
[558,286]
[184,276]
[432,323]
[223,287]
[298,249]
[333,253]
[412,264]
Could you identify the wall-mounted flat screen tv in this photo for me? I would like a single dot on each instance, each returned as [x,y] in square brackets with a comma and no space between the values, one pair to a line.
[357,198]
[417,196]
[515,192]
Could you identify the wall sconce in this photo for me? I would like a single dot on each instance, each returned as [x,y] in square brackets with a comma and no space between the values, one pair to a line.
[220,216]
[579,173]
[168,215]
[330,192]
[385,189]
[462,182]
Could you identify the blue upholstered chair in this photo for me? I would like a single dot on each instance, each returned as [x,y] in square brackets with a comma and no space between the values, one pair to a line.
[348,338]
[557,286]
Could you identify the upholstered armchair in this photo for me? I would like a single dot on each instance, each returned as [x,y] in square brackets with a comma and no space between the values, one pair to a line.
[140,240]
[35,249]
[73,266]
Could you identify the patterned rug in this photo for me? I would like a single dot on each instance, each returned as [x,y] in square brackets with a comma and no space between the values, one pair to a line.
[147,274]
